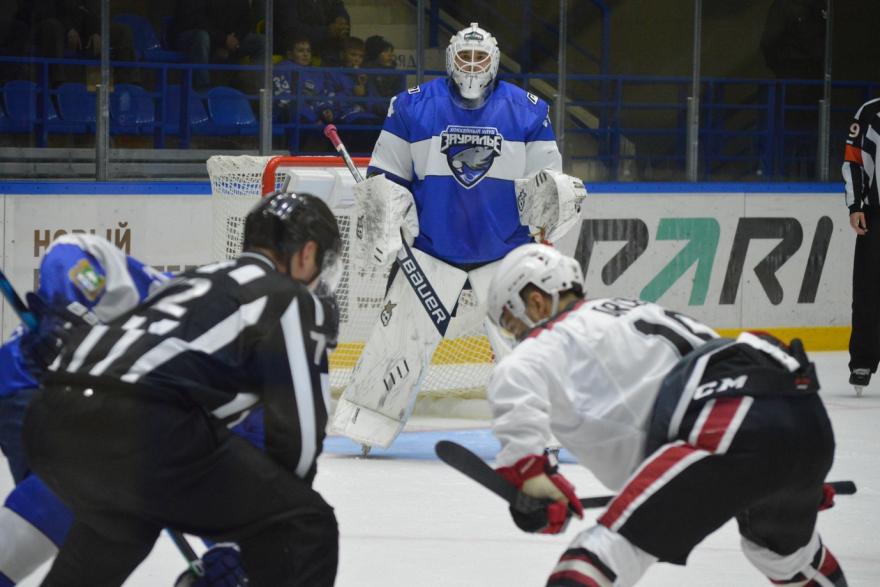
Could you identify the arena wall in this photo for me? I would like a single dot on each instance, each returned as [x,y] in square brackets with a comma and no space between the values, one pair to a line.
[769,256]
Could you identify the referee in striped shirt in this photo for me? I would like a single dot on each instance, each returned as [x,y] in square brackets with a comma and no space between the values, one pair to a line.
[860,176]
[130,427]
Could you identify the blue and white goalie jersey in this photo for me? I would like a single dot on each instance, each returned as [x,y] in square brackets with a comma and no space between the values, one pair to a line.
[460,165]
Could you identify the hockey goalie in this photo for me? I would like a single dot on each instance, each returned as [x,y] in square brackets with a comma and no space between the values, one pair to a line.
[465,169]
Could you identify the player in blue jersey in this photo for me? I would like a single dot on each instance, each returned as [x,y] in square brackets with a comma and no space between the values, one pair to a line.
[465,169]
[90,277]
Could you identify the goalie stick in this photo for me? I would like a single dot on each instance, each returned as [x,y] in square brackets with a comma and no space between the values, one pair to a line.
[460,458]
[30,320]
[415,277]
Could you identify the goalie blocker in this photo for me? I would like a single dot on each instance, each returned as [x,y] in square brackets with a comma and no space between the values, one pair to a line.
[422,296]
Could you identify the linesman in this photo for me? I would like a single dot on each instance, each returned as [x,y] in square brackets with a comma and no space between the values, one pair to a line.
[130,426]
[860,176]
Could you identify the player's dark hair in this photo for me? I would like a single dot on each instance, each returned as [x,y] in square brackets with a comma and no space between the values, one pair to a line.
[284,222]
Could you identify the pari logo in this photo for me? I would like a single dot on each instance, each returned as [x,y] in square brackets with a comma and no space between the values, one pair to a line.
[470,151]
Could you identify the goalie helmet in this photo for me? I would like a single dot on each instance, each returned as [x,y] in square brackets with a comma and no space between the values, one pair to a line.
[472,59]
[539,265]
[284,222]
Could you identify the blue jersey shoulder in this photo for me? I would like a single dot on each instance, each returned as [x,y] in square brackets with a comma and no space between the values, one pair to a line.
[426,110]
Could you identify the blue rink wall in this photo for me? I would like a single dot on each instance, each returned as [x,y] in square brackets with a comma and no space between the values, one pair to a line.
[735,255]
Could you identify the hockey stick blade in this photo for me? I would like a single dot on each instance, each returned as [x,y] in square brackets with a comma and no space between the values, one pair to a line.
[465,461]
[843,487]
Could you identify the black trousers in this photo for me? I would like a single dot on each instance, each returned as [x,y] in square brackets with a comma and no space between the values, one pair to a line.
[864,343]
[129,465]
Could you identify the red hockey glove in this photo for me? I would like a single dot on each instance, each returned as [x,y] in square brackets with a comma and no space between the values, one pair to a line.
[538,477]
[828,494]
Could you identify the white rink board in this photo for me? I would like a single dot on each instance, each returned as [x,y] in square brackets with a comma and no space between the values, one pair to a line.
[166,231]
[729,213]
[171,230]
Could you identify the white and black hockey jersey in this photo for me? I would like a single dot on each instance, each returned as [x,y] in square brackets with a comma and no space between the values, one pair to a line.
[222,337]
[590,376]
[860,158]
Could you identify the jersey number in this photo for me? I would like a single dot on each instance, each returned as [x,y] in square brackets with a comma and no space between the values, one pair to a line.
[196,287]
[668,331]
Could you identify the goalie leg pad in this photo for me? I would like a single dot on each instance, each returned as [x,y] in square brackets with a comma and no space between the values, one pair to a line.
[377,402]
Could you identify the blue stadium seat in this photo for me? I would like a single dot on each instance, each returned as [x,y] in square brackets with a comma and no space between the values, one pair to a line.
[146,42]
[20,102]
[77,105]
[231,112]
[131,110]
[198,116]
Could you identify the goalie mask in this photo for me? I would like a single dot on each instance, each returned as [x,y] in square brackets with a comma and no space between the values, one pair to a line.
[472,59]
[539,265]
[284,222]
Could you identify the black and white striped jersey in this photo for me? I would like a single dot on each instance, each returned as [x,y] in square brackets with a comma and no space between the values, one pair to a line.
[223,336]
[859,160]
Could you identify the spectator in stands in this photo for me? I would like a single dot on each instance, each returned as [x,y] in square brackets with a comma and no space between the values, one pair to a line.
[295,77]
[66,28]
[325,23]
[220,31]
[379,54]
[347,85]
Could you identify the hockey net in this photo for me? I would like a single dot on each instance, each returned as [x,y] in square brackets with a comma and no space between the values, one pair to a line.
[462,363]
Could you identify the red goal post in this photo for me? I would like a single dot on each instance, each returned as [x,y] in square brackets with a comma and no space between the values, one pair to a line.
[462,363]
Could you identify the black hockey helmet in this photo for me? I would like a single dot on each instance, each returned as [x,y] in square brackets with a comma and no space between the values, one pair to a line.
[284,222]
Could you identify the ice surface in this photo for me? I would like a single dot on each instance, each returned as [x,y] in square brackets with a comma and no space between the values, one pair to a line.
[407,520]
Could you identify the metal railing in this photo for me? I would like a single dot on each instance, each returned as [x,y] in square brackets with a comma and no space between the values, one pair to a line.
[626,126]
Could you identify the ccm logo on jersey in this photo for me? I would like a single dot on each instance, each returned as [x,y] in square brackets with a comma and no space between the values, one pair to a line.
[717,387]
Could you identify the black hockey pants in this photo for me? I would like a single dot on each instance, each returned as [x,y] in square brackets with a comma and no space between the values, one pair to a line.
[128,466]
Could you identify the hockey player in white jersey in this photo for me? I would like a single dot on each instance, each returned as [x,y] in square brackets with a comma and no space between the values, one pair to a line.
[465,169]
[690,429]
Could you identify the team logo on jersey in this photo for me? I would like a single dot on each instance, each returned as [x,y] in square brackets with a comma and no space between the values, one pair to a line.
[385,316]
[87,280]
[470,151]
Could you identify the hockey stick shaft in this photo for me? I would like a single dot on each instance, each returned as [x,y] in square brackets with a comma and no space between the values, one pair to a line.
[331,133]
[465,461]
[30,320]
[18,305]
[415,275]
[183,545]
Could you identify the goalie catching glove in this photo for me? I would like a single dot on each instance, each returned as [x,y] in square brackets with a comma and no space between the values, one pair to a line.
[386,214]
[538,477]
[550,201]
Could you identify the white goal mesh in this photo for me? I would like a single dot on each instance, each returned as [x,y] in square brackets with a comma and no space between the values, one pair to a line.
[461,365]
